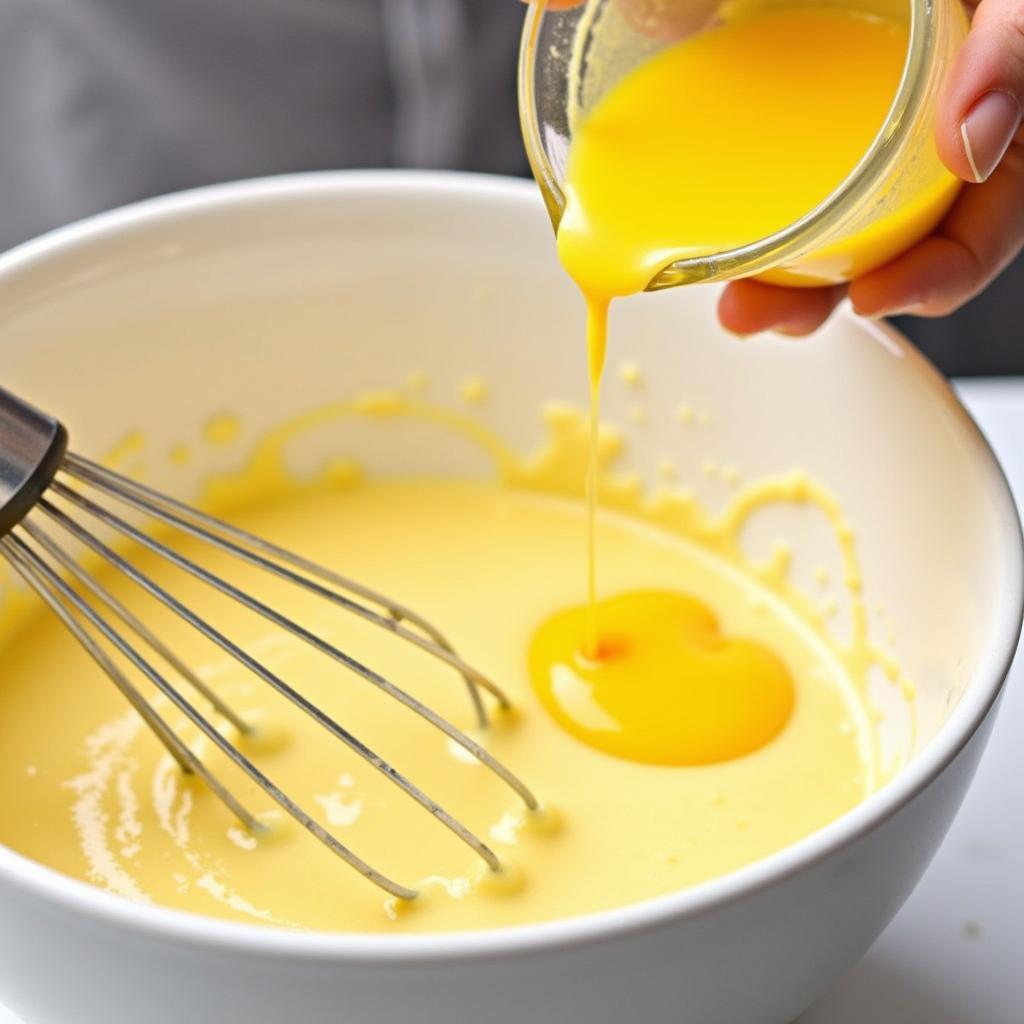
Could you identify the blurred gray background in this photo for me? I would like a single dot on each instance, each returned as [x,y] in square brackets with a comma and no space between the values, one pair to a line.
[103,102]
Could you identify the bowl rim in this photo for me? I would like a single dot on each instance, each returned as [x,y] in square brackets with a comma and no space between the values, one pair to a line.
[175,926]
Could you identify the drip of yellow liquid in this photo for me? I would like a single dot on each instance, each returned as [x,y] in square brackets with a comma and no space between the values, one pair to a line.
[721,139]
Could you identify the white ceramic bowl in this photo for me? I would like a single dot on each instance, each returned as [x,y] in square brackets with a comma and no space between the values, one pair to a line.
[267,297]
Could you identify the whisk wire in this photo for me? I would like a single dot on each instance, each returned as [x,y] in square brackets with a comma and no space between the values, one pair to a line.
[248,547]
[242,656]
[253,604]
[44,540]
[13,545]
[54,591]
[33,455]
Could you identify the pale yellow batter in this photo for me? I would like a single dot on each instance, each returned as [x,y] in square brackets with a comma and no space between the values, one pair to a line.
[86,789]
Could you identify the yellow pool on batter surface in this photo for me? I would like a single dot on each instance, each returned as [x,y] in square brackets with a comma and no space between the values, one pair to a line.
[86,789]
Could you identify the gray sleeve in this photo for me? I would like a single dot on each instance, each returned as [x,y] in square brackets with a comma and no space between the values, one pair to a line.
[106,101]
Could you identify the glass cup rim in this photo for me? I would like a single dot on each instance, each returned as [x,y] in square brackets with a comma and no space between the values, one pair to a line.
[801,236]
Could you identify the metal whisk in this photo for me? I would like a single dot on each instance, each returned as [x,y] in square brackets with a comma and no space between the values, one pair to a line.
[35,466]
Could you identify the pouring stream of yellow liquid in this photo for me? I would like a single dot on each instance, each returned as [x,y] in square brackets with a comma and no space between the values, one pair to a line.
[597,344]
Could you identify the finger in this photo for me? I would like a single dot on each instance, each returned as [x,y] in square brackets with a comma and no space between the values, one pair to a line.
[981,234]
[748,307]
[980,105]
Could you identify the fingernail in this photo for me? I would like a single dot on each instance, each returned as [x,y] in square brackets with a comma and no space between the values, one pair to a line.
[987,131]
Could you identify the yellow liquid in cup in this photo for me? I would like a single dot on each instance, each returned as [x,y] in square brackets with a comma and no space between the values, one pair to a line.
[732,135]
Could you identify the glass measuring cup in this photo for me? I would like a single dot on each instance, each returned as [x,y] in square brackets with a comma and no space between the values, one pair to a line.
[896,193]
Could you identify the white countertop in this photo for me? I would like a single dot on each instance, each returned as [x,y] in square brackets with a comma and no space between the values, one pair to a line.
[955,952]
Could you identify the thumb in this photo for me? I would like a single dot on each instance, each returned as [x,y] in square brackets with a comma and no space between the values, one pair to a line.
[982,99]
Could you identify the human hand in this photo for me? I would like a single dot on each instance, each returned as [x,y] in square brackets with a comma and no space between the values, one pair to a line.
[979,137]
